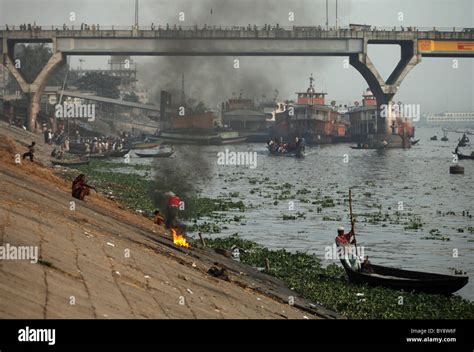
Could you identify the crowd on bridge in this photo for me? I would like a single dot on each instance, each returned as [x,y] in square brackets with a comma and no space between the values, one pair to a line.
[265,27]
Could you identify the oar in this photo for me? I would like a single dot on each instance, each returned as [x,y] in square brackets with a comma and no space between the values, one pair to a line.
[352,219]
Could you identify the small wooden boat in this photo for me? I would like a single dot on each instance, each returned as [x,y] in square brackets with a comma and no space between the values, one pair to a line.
[415,142]
[444,139]
[434,138]
[464,157]
[298,153]
[362,147]
[155,155]
[71,163]
[118,153]
[99,155]
[407,280]
[144,145]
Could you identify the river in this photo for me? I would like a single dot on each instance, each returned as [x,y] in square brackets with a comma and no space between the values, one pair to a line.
[401,185]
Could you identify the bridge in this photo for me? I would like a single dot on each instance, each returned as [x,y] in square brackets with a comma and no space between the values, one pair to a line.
[351,42]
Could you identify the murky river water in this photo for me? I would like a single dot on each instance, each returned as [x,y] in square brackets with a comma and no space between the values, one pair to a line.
[418,178]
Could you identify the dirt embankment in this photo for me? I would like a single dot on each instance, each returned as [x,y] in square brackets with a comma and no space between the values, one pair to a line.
[101,261]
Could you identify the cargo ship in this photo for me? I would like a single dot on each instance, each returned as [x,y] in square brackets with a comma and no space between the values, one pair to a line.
[311,118]
[182,125]
[198,128]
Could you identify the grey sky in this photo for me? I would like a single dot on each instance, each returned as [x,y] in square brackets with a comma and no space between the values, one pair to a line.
[434,83]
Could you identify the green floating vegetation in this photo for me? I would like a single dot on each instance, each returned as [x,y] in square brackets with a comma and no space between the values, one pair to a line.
[435,234]
[298,215]
[326,202]
[414,223]
[204,227]
[329,286]
[200,207]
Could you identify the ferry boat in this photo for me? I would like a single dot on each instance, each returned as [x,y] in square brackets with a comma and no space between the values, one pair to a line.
[311,118]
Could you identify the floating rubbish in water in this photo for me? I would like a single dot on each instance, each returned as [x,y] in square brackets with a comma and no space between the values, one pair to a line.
[110,244]
[191,292]
[147,277]
[359,294]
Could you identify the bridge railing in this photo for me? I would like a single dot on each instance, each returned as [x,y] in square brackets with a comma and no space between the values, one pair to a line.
[174,27]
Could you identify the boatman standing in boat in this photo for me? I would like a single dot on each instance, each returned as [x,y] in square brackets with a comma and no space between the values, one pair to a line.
[344,239]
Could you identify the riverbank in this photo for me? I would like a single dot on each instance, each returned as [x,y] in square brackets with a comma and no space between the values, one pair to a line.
[99,260]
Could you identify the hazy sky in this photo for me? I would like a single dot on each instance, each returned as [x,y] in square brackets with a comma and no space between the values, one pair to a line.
[434,83]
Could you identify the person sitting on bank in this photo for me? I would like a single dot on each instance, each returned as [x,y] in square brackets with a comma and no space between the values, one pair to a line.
[31,152]
[158,218]
[80,189]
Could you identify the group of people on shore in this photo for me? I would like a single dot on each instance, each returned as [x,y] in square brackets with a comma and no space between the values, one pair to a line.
[98,145]
[60,139]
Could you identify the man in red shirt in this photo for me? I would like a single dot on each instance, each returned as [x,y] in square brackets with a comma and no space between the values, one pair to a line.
[343,239]
[172,210]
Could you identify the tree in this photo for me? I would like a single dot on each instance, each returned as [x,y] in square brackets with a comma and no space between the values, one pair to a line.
[102,84]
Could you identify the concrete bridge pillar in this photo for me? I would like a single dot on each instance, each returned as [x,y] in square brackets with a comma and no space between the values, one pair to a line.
[33,91]
[384,91]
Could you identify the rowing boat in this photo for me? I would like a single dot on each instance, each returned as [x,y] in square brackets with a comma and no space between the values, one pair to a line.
[298,153]
[155,155]
[406,280]
[464,157]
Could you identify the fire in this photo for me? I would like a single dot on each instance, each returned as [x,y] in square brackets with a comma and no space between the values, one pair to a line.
[179,239]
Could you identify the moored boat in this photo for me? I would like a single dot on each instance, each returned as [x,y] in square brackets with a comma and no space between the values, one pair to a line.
[464,157]
[406,280]
[118,153]
[154,155]
[144,145]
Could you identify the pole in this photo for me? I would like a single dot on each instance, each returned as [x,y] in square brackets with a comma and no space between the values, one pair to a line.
[336,14]
[352,218]
[136,14]
[327,15]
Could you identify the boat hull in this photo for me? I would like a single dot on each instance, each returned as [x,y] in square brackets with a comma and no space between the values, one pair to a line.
[155,155]
[407,280]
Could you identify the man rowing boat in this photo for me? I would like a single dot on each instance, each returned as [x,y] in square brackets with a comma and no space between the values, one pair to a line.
[349,245]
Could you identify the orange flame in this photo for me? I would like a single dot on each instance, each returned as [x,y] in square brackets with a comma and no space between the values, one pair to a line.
[178,239]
